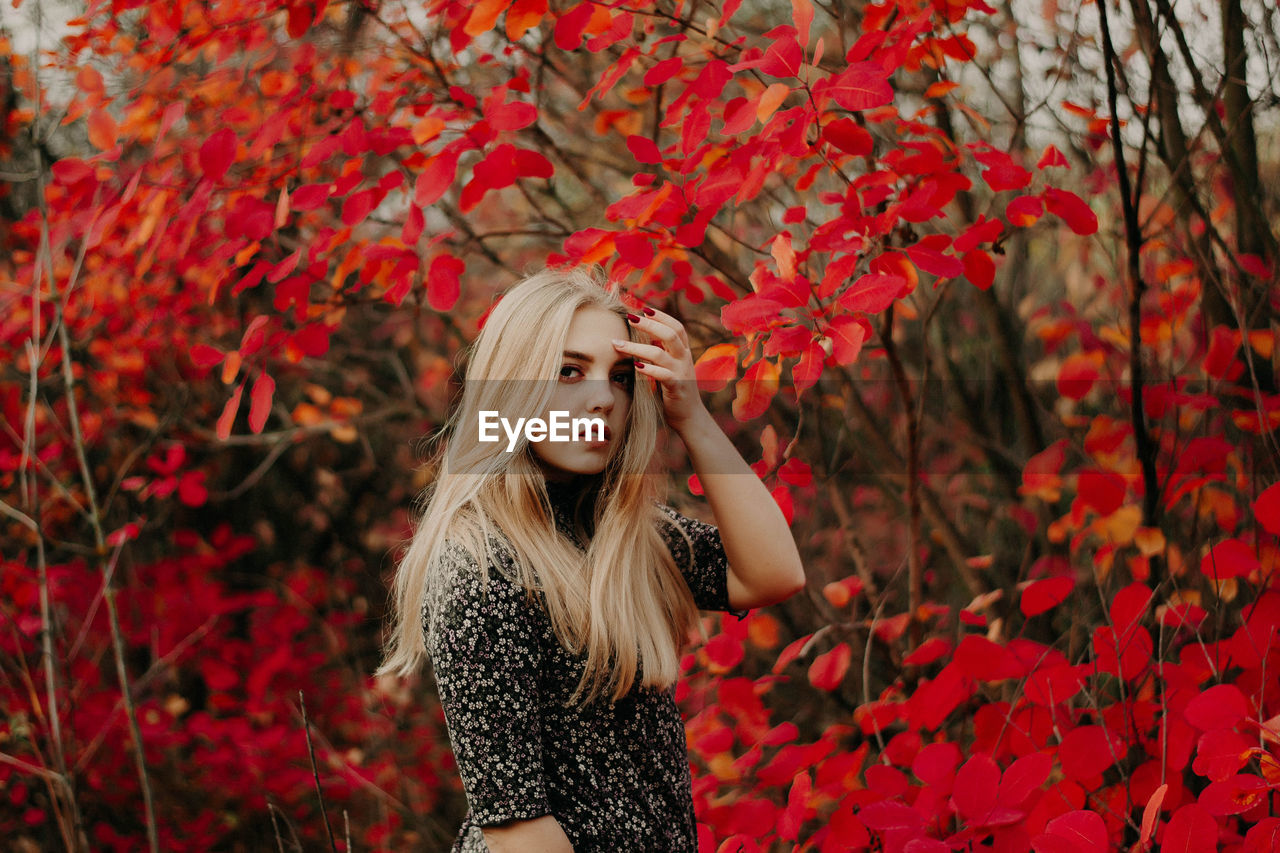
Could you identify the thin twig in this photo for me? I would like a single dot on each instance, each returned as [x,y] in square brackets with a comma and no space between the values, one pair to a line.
[315,772]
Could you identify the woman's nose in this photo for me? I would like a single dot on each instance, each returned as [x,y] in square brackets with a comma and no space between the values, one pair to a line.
[599,395]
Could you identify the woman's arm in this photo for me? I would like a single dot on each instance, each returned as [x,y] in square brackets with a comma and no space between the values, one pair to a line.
[541,835]
[764,564]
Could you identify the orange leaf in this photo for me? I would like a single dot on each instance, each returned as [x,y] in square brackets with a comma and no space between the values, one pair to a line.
[228,416]
[483,16]
[102,130]
[770,100]
[523,16]
[942,87]
[755,390]
[716,367]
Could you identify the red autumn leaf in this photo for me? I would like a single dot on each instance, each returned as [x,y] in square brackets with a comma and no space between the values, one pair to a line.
[724,651]
[663,71]
[1051,157]
[862,86]
[983,231]
[1191,830]
[1087,751]
[414,222]
[443,285]
[643,149]
[1263,837]
[755,390]
[1083,831]
[828,669]
[1001,172]
[71,170]
[936,764]
[808,369]
[358,206]
[531,164]
[1219,707]
[1221,753]
[516,115]
[1233,795]
[796,472]
[1230,558]
[205,356]
[846,335]
[716,367]
[1266,509]
[435,179]
[847,135]
[979,269]
[749,314]
[309,196]
[791,652]
[1102,491]
[1024,210]
[635,249]
[228,416]
[783,57]
[782,497]
[217,154]
[191,489]
[264,387]
[1044,595]
[872,293]
[1128,607]
[929,651]
[847,830]
[976,788]
[929,254]
[1022,778]
[793,815]
[1077,376]
[570,26]
[1071,209]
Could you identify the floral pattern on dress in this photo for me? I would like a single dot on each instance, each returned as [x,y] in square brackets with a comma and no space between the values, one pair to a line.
[614,774]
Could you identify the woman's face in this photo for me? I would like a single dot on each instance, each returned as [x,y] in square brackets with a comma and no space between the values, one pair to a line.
[595,381]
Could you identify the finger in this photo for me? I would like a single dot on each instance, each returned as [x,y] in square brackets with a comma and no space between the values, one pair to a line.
[655,372]
[644,352]
[667,320]
[665,328]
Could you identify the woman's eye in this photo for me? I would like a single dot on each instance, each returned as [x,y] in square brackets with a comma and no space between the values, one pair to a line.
[570,371]
[626,380]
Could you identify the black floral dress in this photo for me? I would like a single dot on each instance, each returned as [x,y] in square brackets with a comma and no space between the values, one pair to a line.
[615,775]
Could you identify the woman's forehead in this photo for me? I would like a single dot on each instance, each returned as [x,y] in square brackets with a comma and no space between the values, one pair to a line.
[593,331]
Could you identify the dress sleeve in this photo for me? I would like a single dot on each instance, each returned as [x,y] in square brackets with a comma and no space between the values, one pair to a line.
[701,559]
[486,656]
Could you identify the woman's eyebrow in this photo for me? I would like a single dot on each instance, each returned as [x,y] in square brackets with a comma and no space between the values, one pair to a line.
[579,356]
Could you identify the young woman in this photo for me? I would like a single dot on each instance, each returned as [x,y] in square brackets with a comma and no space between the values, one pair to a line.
[551,589]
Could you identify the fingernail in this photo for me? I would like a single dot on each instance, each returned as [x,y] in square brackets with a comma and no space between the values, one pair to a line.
[633,318]
[619,343]
[649,311]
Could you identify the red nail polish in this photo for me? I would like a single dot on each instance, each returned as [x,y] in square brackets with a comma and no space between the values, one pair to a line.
[633,318]
[649,311]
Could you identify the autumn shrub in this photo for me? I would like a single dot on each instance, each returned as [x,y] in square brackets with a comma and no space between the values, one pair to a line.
[998,337]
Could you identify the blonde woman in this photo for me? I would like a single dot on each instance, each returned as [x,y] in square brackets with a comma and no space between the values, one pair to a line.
[551,589]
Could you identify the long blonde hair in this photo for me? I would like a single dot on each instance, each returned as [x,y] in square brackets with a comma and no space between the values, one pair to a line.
[623,604]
